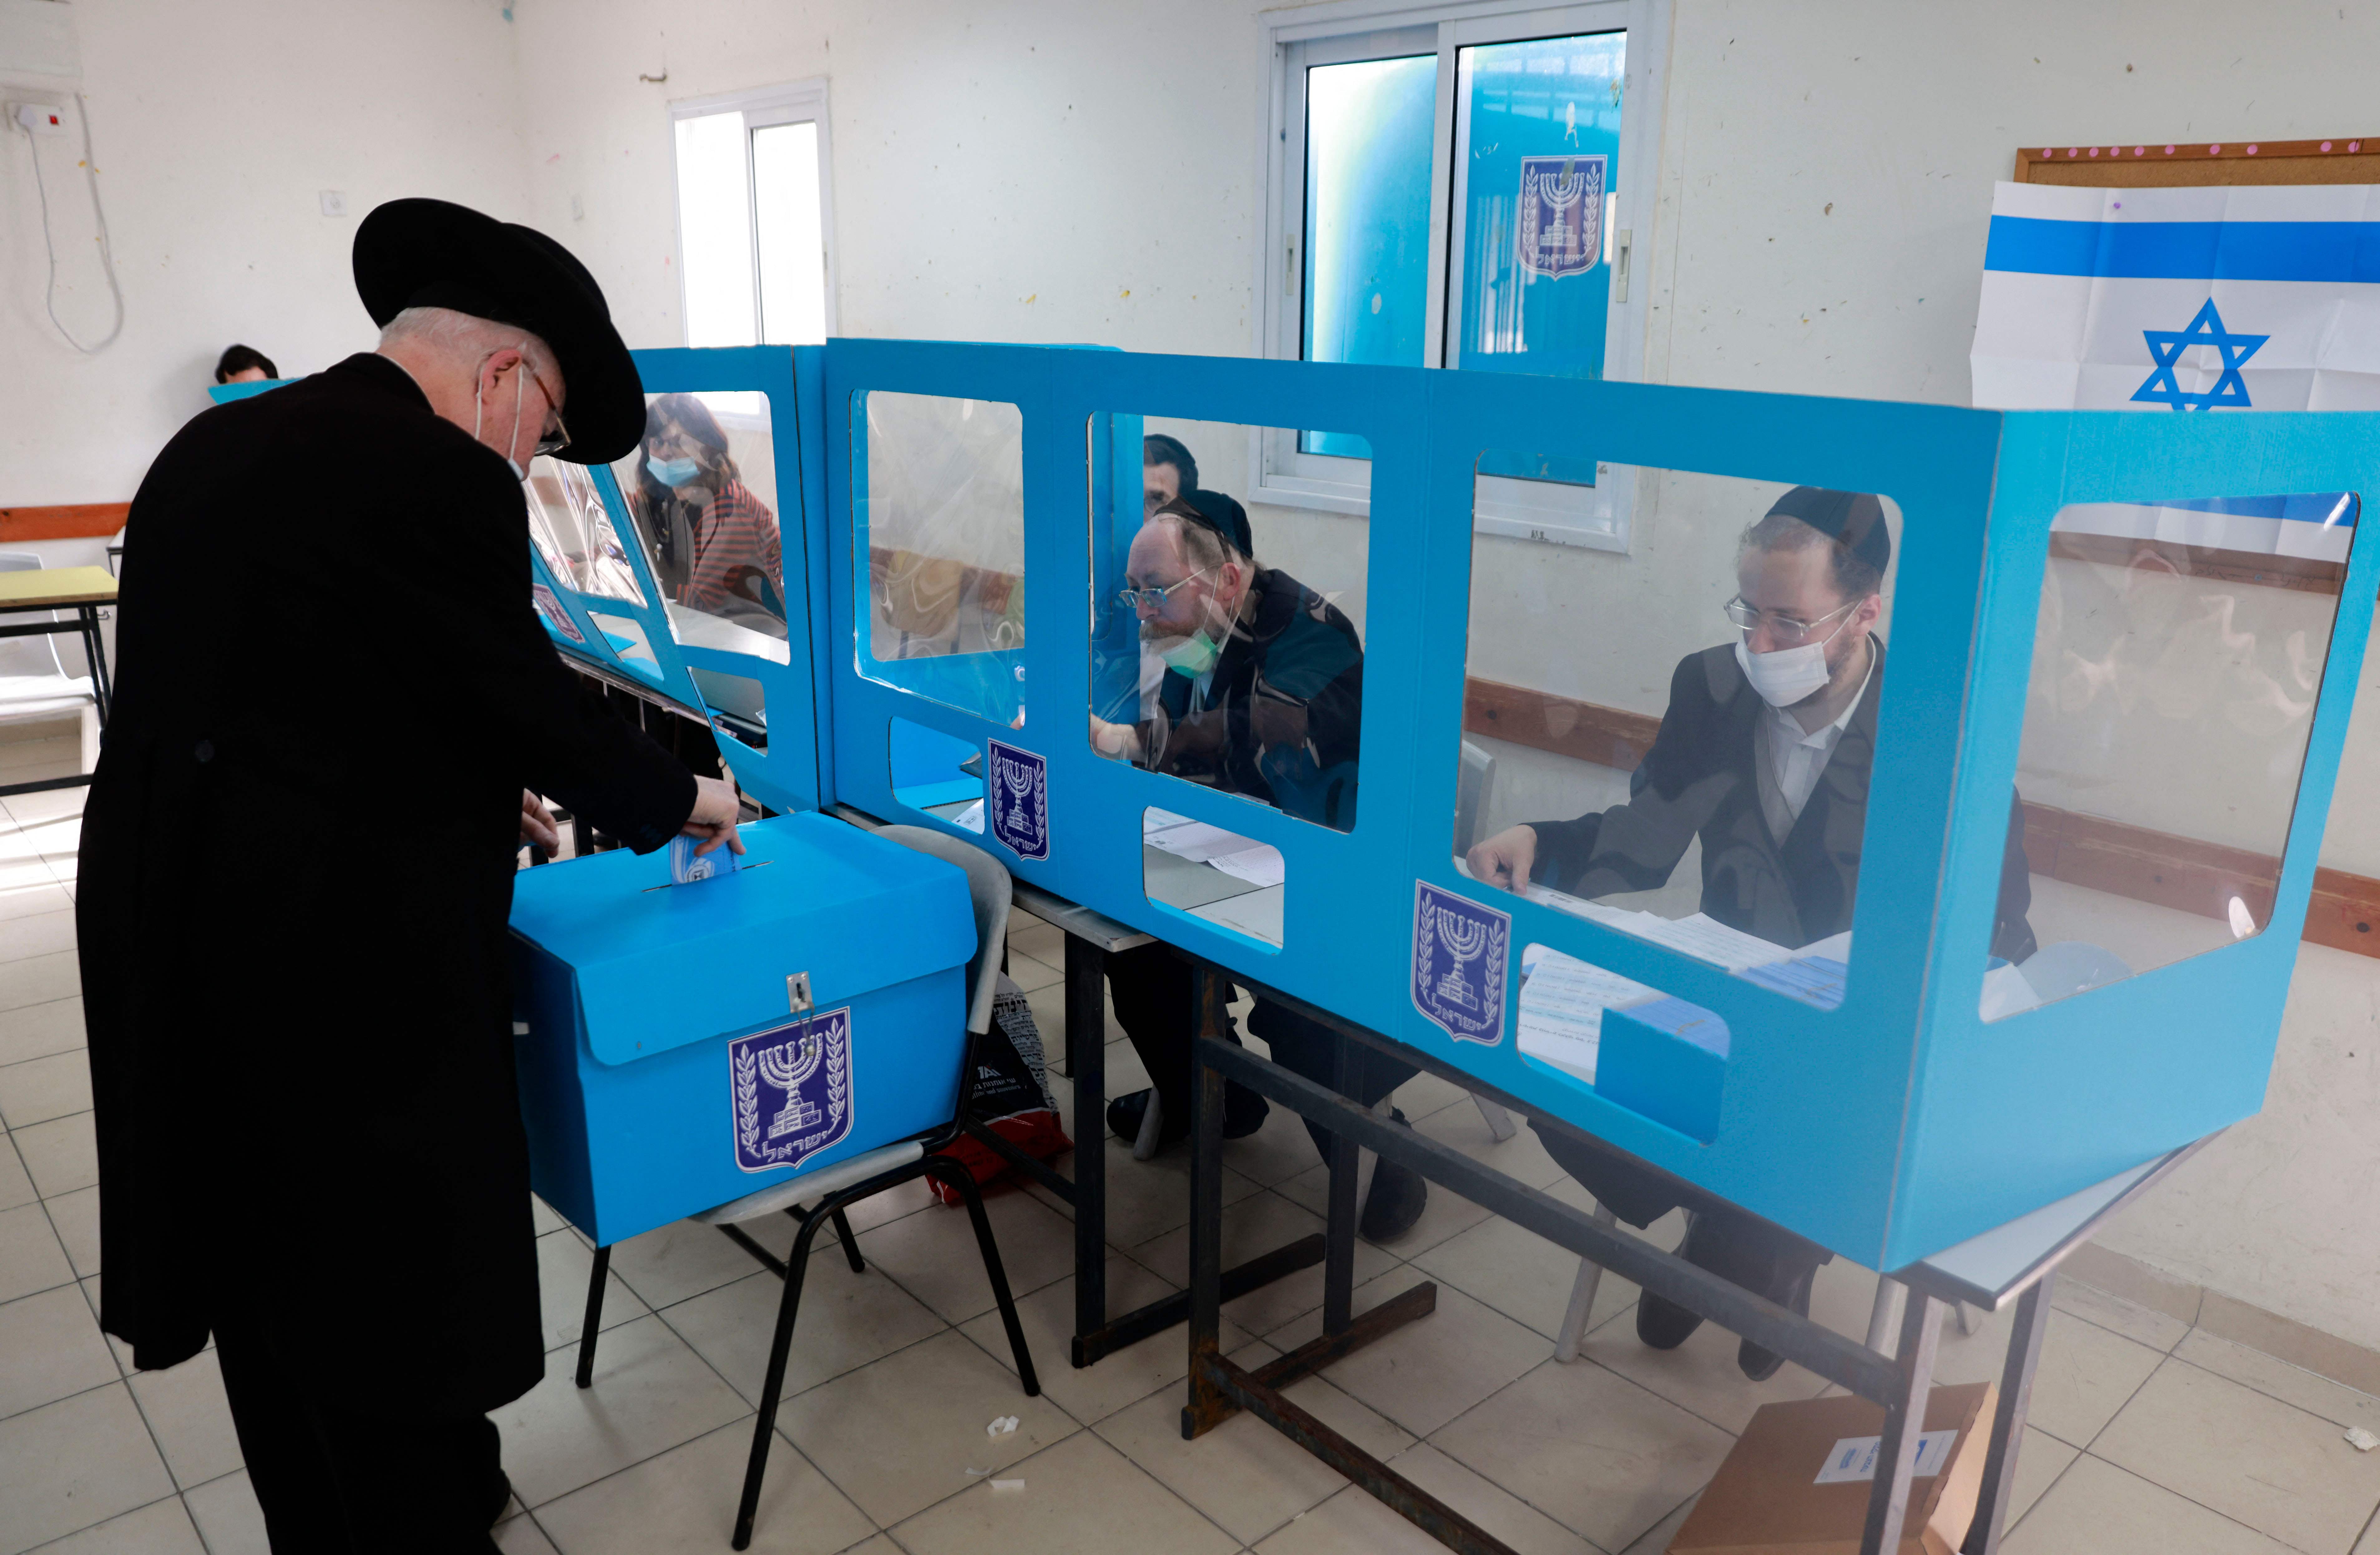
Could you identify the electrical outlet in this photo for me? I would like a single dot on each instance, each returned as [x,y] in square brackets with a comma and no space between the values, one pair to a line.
[37,118]
[334,202]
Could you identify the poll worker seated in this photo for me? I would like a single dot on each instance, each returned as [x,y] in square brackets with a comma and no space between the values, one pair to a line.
[1764,756]
[244,364]
[714,542]
[1166,471]
[1253,684]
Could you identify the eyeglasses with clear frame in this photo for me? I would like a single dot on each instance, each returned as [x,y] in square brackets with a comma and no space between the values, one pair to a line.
[1132,598]
[1784,629]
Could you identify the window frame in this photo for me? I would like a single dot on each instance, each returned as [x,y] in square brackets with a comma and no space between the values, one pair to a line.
[1345,30]
[803,102]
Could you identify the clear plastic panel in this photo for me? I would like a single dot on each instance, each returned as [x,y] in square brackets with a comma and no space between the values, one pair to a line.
[572,531]
[938,773]
[1677,743]
[702,490]
[939,513]
[1226,641]
[2176,665]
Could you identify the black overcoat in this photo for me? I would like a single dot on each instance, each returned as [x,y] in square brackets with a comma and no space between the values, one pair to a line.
[297,868]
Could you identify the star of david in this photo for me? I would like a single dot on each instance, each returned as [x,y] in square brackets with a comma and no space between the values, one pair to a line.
[2167,346]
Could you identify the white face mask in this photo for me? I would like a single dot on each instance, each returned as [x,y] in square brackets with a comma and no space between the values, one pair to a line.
[1787,675]
[520,372]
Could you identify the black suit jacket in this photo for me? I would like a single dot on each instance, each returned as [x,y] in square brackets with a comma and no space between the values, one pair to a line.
[1699,781]
[297,873]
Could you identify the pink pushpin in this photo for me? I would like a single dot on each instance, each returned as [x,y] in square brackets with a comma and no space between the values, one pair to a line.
[2169,151]
[2094,150]
[2073,150]
[2252,148]
[2140,150]
[2215,150]
[2325,145]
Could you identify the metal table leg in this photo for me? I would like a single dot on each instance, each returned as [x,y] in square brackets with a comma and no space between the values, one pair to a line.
[1904,1423]
[2008,1422]
[1087,1016]
[1208,1406]
[1338,1239]
[101,690]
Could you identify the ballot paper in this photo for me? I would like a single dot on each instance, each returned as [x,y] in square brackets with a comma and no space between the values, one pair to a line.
[1562,1007]
[1241,857]
[970,818]
[686,865]
[1814,979]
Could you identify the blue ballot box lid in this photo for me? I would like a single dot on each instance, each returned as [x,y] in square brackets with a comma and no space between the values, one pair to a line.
[658,965]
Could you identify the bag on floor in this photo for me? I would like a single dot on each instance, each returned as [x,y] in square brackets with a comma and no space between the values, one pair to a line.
[1012,1093]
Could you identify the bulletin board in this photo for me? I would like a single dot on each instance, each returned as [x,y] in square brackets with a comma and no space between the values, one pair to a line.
[2349,159]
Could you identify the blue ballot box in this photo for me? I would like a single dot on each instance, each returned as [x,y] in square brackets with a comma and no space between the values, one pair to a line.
[665,1066]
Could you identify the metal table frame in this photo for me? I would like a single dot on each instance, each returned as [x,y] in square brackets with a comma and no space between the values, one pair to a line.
[1090,940]
[1218,1387]
[85,624]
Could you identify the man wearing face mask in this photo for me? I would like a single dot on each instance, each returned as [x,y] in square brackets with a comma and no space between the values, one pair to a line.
[1764,756]
[1253,684]
[308,1132]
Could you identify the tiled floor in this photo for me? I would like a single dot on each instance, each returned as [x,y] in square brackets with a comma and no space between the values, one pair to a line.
[2147,1436]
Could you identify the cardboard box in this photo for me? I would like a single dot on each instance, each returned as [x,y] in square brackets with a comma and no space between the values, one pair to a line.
[1767,1498]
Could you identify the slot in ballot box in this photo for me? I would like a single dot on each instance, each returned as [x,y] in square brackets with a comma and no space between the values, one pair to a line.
[662,1068]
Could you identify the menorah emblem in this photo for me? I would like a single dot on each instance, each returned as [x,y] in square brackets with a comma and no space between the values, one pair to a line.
[1463,940]
[809,1061]
[786,1068]
[1457,966]
[1561,214]
[1019,799]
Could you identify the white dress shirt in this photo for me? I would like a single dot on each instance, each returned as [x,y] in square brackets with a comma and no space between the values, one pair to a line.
[1796,757]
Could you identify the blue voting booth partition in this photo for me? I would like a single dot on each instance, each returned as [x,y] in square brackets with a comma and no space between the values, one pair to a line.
[1886,1114]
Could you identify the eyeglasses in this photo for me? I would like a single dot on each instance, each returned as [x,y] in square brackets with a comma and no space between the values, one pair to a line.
[554,441]
[1132,598]
[1784,628]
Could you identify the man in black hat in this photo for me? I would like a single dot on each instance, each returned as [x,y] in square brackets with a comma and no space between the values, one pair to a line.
[1764,756]
[1254,685]
[309,1140]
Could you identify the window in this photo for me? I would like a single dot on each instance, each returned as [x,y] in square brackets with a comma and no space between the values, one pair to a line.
[754,234]
[1458,186]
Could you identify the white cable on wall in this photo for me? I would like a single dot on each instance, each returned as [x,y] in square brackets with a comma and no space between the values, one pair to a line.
[50,247]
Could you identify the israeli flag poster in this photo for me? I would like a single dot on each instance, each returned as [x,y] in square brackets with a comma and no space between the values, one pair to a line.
[2181,300]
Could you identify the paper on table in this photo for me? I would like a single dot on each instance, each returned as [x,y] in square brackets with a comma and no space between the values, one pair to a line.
[1562,1007]
[1240,857]
[1706,939]
[971,818]
[1259,864]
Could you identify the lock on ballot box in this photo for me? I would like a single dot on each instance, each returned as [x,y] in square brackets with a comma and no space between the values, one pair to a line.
[665,1066]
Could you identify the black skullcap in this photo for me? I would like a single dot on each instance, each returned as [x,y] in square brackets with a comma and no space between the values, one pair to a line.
[1852,519]
[1213,510]
[430,253]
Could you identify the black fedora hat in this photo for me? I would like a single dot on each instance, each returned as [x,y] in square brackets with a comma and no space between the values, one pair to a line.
[433,254]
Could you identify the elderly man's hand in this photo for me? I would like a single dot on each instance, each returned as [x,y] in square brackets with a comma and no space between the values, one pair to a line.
[537,824]
[716,811]
[1505,858]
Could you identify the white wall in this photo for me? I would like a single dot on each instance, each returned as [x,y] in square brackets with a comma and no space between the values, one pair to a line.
[1043,172]
[213,127]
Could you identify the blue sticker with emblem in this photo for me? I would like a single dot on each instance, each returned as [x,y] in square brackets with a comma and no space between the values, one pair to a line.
[791,1090]
[1458,964]
[1017,790]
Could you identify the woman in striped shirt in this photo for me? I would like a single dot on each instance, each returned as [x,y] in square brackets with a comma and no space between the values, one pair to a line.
[715,542]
